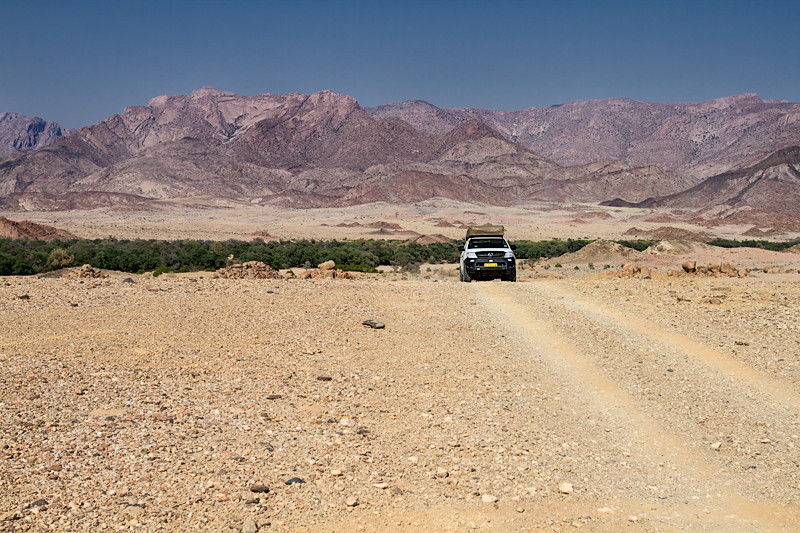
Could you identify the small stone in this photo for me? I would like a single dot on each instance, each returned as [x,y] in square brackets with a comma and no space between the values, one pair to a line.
[397,491]
[9,516]
[488,498]
[351,502]
[531,490]
[133,510]
[346,423]
[605,510]
[441,472]
[324,378]
[765,441]
[380,485]
[633,518]
[374,324]
[565,488]
[336,472]
[263,489]
[274,397]
[520,509]
[108,412]
[294,481]
[249,526]
[23,297]
[413,460]
[39,503]
[127,280]
[716,446]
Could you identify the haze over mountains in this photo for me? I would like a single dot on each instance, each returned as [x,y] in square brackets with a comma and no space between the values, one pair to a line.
[325,149]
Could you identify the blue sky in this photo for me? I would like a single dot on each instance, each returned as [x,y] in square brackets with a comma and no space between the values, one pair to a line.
[78,62]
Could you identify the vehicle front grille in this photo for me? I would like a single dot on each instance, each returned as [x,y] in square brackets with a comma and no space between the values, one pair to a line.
[489,255]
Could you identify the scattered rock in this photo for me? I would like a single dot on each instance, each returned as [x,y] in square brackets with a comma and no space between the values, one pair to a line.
[374,324]
[249,526]
[565,488]
[716,446]
[133,510]
[488,498]
[249,270]
[86,271]
[327,265]
[351,502]
[295,481]
[259,489]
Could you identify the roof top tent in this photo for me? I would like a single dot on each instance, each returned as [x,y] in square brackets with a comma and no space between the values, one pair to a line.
[487,230]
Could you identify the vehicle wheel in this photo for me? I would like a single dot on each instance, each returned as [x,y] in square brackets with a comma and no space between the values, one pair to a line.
[465,276]
[509,277]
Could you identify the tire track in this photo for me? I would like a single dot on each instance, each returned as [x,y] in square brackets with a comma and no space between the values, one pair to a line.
[698,470]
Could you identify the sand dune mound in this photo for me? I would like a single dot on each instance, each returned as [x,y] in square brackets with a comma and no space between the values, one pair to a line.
[677,247]
[428,239]
[600,250]
[793,250]
[670,233]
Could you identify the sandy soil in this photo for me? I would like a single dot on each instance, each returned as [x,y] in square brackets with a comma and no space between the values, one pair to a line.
[231,220]
[602,404]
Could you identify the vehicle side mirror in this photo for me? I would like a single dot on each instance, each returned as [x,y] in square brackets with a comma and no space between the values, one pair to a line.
[513,246]
[460,248]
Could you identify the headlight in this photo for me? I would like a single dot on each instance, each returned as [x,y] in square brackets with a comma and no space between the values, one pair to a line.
[509,255]
[471,255]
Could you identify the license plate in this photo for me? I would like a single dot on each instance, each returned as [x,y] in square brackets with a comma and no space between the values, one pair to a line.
[490,264]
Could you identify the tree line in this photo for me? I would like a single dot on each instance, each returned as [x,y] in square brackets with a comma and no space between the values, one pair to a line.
[25,257]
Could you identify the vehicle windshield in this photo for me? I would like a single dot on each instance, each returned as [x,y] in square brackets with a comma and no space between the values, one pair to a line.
[487,243]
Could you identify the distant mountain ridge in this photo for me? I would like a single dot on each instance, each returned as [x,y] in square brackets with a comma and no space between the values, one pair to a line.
[770,185]
[699,139]
[18,132]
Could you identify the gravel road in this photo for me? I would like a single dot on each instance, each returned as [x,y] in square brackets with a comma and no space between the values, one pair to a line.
[193,404]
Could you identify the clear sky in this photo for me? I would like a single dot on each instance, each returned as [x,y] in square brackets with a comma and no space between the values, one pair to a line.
[78,62]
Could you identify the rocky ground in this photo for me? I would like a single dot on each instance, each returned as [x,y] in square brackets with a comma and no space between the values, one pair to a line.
[200,404]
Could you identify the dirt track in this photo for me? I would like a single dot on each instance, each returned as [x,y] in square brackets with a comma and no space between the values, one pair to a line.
[661,414]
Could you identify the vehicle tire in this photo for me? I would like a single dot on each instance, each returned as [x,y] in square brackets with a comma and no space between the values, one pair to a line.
[512,276]
[465,276]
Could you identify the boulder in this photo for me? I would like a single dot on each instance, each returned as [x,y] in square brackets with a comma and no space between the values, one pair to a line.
[327,265]
[690,266]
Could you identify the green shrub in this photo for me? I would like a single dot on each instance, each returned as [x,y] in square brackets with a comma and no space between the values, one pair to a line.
[162,270]
[558,265]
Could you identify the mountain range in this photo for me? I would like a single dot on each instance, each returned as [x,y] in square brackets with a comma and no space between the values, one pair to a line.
[325,149]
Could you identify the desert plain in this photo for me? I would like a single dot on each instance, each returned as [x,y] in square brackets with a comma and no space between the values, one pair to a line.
[570,400]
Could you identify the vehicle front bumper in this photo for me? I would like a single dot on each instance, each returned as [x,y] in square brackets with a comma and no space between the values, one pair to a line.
[478,267]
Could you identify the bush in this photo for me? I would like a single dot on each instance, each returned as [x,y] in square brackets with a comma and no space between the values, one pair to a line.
[558,265]
[59,258]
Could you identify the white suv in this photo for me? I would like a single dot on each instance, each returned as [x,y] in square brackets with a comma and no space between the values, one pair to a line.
[487,255]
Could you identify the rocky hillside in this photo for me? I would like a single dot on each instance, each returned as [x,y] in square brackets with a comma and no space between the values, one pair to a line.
[772,185]
[18,132]
[698,139]
[26,229]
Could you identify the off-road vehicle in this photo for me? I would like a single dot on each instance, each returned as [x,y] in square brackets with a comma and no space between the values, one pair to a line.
[487,255]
